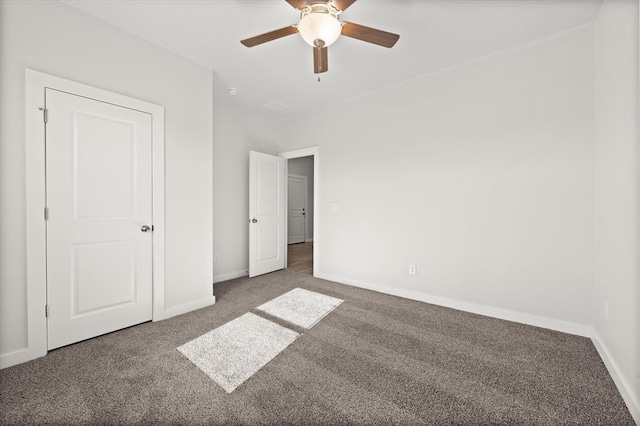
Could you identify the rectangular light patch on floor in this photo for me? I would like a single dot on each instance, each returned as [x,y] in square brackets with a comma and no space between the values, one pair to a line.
[235,351]
[301,307]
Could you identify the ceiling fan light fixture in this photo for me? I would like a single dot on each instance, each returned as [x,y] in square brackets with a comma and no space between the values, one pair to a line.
[319,26]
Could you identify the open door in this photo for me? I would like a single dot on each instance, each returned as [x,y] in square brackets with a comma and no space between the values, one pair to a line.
[267,213]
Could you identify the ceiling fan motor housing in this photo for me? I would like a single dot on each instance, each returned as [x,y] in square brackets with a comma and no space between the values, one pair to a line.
[320,6]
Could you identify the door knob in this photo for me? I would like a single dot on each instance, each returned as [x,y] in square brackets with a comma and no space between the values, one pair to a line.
[254,220]
[145,228]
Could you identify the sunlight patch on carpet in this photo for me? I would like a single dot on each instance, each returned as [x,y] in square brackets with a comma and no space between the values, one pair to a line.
[301,307]
[235,351]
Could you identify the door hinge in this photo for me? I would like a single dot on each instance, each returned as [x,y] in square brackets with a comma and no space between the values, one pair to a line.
[46,311]
[45,114]
[46,213]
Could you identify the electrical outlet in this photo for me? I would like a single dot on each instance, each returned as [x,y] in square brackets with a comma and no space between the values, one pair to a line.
[605,311]
[216,258]
[413,270]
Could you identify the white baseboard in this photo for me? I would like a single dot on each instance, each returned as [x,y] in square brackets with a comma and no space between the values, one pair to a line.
[624,387]
[538,321]
[18,357]
[309,240]
[230,276]
[185,307]
[23,355]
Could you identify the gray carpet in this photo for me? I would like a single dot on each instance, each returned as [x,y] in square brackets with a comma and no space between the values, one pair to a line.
[375,359]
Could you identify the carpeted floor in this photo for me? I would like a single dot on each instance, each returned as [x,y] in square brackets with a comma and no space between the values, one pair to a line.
[375,359]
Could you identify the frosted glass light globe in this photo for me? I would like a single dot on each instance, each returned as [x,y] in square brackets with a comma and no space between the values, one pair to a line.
[319,26]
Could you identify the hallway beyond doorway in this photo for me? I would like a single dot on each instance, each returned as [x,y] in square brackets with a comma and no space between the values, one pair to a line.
[300,257]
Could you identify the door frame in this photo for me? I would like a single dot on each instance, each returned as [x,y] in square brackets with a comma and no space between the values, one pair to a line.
[306,152]
[36,82]
[306,202]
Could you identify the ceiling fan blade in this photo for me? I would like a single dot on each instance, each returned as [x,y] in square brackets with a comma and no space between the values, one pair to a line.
[320,63]
[273,35]
[370,35]
[342,4]
[298,4]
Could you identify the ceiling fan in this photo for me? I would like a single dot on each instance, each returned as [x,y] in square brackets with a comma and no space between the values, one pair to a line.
[320,27]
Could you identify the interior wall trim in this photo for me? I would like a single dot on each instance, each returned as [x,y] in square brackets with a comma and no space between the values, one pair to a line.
[624,387]
[230,275]
[534,320]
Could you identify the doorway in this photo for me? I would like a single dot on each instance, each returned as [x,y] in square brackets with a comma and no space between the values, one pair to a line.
[268,243]
[95,112]
[300,214]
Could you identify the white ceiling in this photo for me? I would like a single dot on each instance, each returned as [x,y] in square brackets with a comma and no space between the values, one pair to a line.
[434,34]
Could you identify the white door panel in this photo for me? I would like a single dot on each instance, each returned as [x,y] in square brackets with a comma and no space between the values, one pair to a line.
[98,284]
[296,212]
[99,188]
[267,213]
[104,177]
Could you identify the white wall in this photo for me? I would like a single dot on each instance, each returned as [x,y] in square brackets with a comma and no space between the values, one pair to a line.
[481,175]
[53,38]
[235,134]
[617,192]
[303,166]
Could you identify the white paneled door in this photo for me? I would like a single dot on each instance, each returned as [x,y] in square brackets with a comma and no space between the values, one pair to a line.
[296,209]
[266,213]
[99,202]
